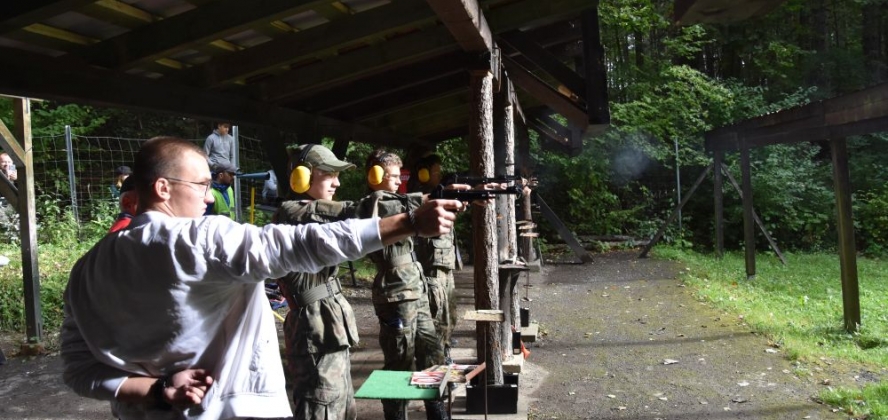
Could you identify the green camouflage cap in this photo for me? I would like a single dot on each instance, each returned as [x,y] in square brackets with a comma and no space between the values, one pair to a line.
[322,158]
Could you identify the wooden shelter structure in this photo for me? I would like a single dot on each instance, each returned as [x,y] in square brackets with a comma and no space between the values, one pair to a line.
[395,73]
[861,112]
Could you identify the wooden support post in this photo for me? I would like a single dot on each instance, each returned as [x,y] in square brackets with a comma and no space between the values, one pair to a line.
[507,239]
[484,220]
[675,212]
[718,196]
[847,249]
[755,217]
[594,68]
[28,222]
[748,224]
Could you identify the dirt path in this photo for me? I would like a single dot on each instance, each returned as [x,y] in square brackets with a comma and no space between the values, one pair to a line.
[609,328]
[624,339]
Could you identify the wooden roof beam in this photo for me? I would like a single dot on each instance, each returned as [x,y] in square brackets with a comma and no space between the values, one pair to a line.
[18,14]
[34,75]
[861,112]
[195,27]
[522,78]
[402,98]
[466,22]
[323,39]
[546,61]
[385,84]
[420,45]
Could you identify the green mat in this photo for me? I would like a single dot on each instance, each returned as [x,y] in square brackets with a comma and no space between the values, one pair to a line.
[390,384]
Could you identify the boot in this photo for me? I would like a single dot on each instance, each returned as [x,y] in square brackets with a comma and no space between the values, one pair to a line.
[436,410]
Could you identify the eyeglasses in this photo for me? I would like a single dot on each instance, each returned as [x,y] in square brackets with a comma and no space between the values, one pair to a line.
[206,184]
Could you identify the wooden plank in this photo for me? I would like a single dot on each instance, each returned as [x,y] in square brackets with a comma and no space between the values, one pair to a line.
[198,26]
[534,13]
[18,14]
[545,60]
[119,13]
[484,315]
[319,40]
[544,93]
[34,75]
[845,222]
[466,22]
[27,210]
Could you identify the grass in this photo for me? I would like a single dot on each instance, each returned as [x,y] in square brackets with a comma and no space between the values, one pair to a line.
[799,307]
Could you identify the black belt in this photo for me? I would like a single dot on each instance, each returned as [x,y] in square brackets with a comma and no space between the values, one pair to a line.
[329,289]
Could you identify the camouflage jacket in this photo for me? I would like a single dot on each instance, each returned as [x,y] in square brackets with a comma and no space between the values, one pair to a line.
[329,323]
[436,253]
[398,276]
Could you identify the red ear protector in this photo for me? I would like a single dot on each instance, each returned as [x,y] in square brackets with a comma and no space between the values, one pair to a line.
[300,176]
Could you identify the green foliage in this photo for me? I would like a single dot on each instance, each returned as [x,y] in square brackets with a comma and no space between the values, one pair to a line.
[871,220]
[792,193]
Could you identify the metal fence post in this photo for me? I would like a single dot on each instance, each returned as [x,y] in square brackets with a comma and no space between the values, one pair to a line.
[69,150]
[238,211]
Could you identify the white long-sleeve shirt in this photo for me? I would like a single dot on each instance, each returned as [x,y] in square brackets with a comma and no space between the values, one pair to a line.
[174,293]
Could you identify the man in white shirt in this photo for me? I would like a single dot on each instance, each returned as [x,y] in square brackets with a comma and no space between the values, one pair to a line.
[168,319]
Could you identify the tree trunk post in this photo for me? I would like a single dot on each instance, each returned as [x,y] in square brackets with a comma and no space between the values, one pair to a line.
[484,221]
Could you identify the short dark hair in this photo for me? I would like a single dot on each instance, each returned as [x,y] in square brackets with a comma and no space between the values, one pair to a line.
[382,158]
[157,158]
[428,161]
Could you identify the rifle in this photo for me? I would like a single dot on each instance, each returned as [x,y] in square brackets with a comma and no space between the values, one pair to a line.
[471,195]
[475,180]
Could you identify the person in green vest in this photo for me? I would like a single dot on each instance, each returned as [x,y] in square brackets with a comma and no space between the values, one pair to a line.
[223,194]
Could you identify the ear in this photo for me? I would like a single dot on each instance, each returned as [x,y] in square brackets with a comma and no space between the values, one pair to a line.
[162,189]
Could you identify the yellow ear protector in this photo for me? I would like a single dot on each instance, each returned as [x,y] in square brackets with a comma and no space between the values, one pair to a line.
[423,175]
[300,176]
[375,175]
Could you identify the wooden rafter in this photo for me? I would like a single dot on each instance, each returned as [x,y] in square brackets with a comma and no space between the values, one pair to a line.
[323,39]
[466,22]
[861,112]
[68,80]
[198,26]
[18,14]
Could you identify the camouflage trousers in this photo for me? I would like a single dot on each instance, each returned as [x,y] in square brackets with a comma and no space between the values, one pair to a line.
[408,340]
[442,303]
[322,386]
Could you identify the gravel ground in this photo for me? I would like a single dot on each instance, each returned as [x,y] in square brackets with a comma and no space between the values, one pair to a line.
[621,338]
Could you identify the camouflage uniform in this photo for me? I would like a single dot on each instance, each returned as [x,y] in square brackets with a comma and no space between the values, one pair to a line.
[406,328]
[318,334]
[438,259]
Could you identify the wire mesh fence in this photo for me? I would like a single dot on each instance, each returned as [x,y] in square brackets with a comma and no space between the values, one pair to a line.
[77,172]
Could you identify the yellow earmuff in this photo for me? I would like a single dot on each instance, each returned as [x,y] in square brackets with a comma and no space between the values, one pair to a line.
[423,175]
[375,175]
[300,176]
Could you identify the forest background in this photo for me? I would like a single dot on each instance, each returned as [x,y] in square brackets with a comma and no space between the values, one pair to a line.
[667,85]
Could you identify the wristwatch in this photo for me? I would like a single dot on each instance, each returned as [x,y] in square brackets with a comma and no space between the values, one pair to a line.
[157,392]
